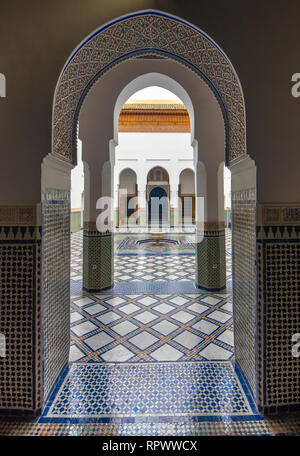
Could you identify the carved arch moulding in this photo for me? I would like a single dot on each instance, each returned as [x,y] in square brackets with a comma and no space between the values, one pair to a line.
[146,32]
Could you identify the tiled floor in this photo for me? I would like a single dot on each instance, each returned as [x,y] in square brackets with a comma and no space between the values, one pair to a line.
[150,327]
[128,392]
[153,356]
[185,427]
[138,326]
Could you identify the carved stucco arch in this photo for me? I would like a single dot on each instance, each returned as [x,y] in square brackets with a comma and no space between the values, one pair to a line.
[146,32]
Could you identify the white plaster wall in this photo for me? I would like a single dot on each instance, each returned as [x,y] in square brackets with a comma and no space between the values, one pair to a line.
[187,181]
[143,151]
[227,187]
[96,128]
[127,179]
[77,181]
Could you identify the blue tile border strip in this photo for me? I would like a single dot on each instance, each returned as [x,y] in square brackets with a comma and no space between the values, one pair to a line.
[159,286]
[159,418]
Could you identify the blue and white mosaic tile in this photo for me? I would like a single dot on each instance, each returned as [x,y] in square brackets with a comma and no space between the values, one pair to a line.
[131,392]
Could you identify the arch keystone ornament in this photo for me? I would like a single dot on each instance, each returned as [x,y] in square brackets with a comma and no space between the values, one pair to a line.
[142,33]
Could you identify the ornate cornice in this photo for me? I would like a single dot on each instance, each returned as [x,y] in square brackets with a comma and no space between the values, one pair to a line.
[19,215]
[278,214]
[90,229]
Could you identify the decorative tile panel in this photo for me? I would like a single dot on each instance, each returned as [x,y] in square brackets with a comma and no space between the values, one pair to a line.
[18,215]
[278,263]
[210,259]
[56,283]
[20,314]
[244,281]
[278,214]
[98,271]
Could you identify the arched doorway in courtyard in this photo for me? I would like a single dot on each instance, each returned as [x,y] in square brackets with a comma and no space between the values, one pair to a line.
[158,207]
[158,196]
[67,109]
[186,195]
[127,196]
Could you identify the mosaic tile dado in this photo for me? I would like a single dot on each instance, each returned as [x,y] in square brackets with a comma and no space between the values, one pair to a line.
[129,392]
[98,272]
[56,276]
[244,250]
[211,262]
[278,265]
[20,325]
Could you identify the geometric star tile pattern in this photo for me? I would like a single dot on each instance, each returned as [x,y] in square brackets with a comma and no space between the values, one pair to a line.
[100,391]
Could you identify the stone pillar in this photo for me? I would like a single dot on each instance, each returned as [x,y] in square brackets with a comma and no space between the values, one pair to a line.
[97,258]
[142,203]
[210,230]
[210,256]
[56,184]
[98,241]
[174,201]
[243,190]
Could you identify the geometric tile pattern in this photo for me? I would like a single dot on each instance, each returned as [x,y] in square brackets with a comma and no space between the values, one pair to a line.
[97,261]
[163,326]
[244,245]
[20,318]
[56,289]
[289,426]
[279,300]
[151,268]
[138,325]
[210,261]
[98,391]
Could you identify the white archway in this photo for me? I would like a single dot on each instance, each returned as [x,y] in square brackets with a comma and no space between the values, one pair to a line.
[148,80]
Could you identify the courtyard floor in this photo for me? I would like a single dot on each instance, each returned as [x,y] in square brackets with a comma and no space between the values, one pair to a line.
[153,355]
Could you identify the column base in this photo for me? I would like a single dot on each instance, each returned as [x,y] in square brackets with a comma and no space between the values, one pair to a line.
[96,290]
[210,289]
[98,270]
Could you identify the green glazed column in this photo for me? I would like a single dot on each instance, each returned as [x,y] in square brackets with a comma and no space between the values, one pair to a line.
[210,257]
[98,271]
